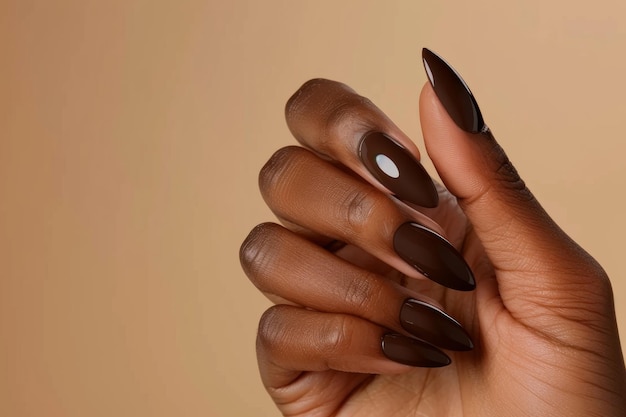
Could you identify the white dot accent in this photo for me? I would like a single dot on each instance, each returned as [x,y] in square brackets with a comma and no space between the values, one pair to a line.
[387,166]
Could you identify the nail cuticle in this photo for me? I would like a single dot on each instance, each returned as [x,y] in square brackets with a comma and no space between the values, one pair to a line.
[396,169]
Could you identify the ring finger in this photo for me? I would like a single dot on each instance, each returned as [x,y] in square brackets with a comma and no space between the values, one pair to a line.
[283,264]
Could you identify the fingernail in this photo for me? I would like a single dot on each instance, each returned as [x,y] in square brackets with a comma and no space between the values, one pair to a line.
[433,256]
[413,352]
[453,93]
[432,325]
[395,168]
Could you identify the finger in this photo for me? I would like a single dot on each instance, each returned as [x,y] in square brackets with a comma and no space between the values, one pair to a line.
[534,258]
[282,263]
[334,121]
[291,340]
[304,189]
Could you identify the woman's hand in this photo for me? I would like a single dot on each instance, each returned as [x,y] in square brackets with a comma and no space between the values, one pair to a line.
[358,330]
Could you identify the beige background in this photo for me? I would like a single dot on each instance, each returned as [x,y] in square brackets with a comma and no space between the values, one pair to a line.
[131,133]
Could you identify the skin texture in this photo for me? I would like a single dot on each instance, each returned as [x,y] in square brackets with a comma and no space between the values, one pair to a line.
[541,317]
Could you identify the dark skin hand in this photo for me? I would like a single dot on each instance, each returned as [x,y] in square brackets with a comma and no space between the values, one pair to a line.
[542,320]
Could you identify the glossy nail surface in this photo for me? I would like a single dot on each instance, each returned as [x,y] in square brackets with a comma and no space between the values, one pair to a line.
[453,93]
[433,256]
[397,169]
[433,325]
[413,352]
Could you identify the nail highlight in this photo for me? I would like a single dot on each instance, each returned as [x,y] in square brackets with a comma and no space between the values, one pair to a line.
[413,352]
[453,93]
[395,168]
[434,326]
[433,256]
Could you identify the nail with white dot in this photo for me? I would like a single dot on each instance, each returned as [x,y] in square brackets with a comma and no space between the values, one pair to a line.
[397,169]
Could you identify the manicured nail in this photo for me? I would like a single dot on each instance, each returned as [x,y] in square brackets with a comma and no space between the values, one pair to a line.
[413,352]
[395,168]
[453,93]
[432,325]
[433,256]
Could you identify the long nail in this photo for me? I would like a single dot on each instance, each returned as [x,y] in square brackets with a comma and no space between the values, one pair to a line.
[395,168]
[433,256]
[433,326]
[453,93]
[413,352]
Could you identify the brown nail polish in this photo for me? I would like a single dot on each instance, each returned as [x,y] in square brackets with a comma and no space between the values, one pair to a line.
[453,93]
[395,168]
[413,352]
[433,256]
[432,325]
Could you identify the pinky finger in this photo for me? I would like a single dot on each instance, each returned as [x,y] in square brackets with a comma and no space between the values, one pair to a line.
[292,340]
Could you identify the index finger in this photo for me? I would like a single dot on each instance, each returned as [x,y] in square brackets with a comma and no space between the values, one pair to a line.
[333,120]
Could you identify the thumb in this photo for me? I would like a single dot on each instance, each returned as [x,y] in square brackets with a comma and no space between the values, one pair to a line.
[534,260]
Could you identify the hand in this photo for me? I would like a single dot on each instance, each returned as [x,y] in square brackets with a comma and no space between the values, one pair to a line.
[358,330]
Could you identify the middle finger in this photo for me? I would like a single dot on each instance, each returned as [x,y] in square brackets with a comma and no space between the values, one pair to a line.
[308,191]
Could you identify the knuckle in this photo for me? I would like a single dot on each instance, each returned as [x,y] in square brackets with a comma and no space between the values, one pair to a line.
[344,118]
[360,207]
[302,96]
[335,336]
[361,291]
[507,176]
[256,251]
[271,332]
[346,112]
[273,173]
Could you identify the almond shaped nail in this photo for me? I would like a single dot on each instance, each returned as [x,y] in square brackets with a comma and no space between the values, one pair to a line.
[434,326]
[433,256]
[453,93]
[396,168]
[413,352]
